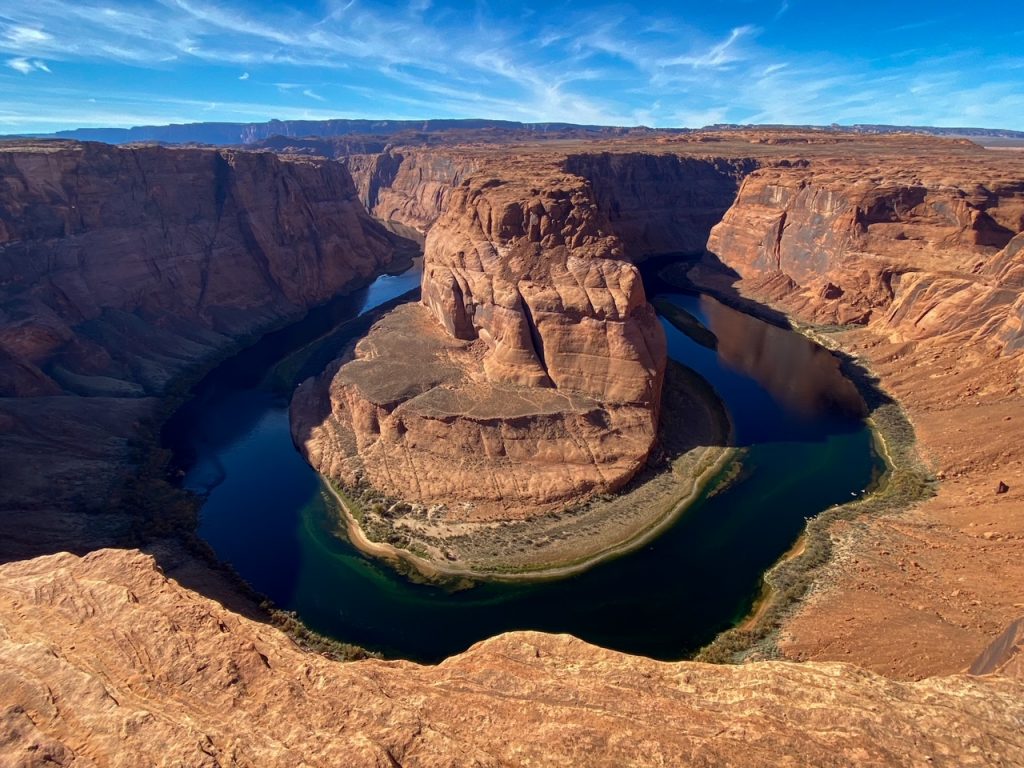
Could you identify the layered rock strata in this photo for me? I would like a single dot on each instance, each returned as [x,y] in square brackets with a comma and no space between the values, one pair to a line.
[908,249]
[122,269]
[660,202]
[410,186]
[530,376]
[914,594]
[104,661]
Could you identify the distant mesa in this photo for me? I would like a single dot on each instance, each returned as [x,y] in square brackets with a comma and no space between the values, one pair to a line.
[452,131]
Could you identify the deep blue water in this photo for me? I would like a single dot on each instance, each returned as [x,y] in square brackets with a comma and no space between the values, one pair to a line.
[266,513]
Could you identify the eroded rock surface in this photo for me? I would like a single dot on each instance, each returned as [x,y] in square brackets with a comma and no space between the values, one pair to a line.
[409,186]
[916,250]
[917,254]
[660,202]
[540,379]
[107,662]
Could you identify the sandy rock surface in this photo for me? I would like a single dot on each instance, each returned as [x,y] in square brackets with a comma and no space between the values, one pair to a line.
[107,662]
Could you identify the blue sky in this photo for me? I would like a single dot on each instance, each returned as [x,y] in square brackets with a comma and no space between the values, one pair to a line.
[72,63]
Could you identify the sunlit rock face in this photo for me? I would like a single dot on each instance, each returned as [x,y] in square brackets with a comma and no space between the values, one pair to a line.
[533,368]
[916,250]
[104,656]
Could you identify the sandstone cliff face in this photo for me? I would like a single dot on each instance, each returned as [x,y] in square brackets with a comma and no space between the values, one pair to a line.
[662,203]
[104,661]
[919,246]
[103,247]
[409,186]
[915,253]
[538,275]
[545,383]
[123,268]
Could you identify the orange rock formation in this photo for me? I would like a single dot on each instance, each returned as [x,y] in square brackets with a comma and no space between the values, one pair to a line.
[104,661]
[545,383]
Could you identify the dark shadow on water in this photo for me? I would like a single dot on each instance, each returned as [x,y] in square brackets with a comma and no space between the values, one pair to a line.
[231,446]
[672,272]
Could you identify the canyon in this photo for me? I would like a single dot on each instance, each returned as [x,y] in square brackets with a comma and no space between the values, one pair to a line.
[124,271]
[555,388]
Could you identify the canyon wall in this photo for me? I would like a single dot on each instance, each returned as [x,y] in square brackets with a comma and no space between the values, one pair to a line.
[107,660]
[911,255]
[915,252]
[661,202]
[409,186]
[121,269]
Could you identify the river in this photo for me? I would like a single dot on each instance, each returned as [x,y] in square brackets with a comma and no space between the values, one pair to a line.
[266,512]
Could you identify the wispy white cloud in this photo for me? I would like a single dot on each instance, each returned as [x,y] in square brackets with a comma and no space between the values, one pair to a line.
[244,76]
[20,65]
[310,93]
[27,66]
[20,36]
[717,56]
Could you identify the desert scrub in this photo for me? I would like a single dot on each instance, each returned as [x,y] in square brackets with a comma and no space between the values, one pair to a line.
[906,481]
[289,623]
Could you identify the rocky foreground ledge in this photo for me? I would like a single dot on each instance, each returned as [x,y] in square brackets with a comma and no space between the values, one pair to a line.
[104,661]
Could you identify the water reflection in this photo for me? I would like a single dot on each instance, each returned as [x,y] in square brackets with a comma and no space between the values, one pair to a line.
[802,376]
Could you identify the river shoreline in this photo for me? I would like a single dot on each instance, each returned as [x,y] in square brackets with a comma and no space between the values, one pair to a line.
[796,574]
[431,569]
[709,463]
[578,538]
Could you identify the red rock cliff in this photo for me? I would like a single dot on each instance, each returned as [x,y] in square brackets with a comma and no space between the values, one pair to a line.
[410,186]
[123,268]
[917,252]
[661,202]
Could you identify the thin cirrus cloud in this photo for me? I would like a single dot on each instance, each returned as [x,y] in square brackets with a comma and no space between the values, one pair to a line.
[27,66]
[595,62]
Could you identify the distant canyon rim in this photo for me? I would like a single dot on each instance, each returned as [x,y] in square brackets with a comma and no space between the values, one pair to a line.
[127,271]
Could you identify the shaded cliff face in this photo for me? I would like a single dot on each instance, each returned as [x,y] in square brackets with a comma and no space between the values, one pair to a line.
[410,186]
[104,657]
[107,256]
[661,203]
[918,253]
[539,382]
[124,268]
